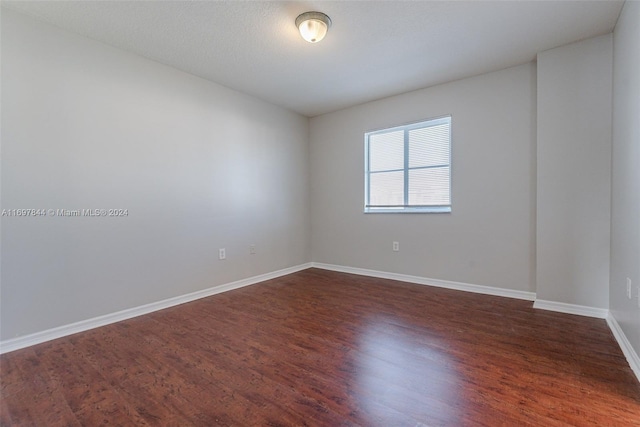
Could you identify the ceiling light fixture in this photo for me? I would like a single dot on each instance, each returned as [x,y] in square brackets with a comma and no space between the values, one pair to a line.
[313,26]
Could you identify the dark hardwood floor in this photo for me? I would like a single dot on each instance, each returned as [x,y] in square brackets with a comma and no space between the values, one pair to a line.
[320,348]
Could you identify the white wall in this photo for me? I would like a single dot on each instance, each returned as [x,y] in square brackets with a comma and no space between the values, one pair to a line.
[625,208]
[489,238]
[198,166]
[574,173]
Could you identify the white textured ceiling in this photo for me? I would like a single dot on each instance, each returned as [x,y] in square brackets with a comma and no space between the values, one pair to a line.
[374,48]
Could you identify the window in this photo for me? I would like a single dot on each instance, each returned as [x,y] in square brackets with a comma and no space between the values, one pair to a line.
[408,168]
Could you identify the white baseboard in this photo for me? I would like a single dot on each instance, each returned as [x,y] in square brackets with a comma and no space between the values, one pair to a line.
[581,310]
[467,287]
[84,325]
[625,345]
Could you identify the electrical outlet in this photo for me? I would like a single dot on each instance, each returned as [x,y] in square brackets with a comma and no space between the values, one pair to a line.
[222,253]
[628,288]
[252,249]
[396,246]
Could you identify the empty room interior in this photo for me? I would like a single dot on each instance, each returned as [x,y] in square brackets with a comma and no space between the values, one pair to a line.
[320,213]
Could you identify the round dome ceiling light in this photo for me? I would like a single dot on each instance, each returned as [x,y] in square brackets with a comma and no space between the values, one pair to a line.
[313,26]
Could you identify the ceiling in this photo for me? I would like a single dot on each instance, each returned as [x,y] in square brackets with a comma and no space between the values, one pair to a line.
[374,49]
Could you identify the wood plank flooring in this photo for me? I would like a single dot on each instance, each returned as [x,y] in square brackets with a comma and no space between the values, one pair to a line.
[320,348]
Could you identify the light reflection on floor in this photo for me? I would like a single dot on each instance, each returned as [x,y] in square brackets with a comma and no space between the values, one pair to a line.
[403,374]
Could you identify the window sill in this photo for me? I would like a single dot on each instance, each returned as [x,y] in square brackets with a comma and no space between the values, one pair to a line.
[437,210]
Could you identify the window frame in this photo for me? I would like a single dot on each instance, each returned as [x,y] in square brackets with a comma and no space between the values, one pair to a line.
[406,128]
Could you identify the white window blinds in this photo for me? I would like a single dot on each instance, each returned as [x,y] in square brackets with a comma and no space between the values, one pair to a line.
[408,168]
